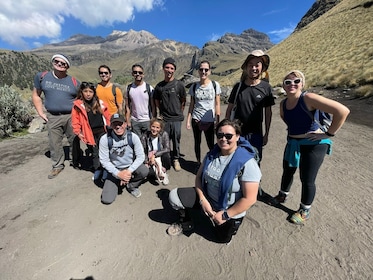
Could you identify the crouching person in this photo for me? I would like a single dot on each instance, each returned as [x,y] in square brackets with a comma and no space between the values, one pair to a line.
[122,155]
[226,185]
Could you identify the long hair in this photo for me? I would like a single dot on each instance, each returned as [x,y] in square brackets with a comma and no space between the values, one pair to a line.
[93,106]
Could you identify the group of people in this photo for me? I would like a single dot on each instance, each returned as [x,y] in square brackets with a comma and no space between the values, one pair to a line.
[133,143]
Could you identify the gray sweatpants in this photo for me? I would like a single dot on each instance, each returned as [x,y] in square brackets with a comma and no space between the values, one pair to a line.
[111,185]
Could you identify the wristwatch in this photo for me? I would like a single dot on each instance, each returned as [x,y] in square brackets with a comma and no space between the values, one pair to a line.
[225,216]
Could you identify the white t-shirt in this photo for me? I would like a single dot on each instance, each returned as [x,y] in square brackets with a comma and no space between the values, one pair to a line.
[139,102]
[204,105]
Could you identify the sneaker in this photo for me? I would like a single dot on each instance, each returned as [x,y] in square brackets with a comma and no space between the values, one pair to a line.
[175,229]
[54,172]
[135,192]
[179,228]
[280,198]
[177,165]
[165,180]
[300,216]
[96,175]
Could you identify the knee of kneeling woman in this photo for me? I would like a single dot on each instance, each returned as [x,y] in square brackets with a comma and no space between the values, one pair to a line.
[174,200]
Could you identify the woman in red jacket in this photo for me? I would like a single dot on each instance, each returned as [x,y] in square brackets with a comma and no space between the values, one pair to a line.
[89,118]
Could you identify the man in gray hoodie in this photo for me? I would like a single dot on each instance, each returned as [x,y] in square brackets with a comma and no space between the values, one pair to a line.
[122,155]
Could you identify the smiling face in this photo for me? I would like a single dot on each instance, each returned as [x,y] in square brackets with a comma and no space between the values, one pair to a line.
[292,84]
[169,71]
[60,65]
[204,70]
[227,139]
[254,67]
[119,127]
[155,128]
[104,74]
[138,73]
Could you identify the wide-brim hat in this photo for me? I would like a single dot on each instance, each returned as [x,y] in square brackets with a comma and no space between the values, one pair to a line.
[257,53]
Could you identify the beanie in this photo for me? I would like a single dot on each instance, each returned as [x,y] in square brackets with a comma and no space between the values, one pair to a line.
[169,60]
[63,57]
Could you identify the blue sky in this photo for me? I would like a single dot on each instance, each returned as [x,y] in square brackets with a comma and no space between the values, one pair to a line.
[30,24]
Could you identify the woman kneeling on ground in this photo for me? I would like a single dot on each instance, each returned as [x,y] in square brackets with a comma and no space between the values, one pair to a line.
[226,184]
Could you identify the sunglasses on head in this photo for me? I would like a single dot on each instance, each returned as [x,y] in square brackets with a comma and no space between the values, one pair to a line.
[288,82]
[87,84]
[137,72]
[227,136]
[59,62]
[103,73]
[203,69]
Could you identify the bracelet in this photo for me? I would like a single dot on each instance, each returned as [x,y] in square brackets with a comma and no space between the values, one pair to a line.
[329,134]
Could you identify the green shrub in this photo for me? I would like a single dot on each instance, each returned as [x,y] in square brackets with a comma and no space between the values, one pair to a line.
[14,113]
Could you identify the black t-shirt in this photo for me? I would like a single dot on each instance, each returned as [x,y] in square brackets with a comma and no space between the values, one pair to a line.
[171,96]
[251,101]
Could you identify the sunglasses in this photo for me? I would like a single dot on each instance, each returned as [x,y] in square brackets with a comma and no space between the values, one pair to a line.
[137,72]
[203,69]
[59,62]
[289,82]
[103,73]
[227,136]
[87,84]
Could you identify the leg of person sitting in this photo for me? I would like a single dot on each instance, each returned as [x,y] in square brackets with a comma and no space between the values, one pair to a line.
[224,232]
[182,199]
[138,177]
[110,189]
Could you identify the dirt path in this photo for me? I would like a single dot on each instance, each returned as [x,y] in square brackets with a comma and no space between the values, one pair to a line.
[58,229]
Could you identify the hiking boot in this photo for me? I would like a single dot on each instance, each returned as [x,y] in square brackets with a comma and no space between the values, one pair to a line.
[54,172]
[300,216]
[177,165]
[135,192]
[280,198]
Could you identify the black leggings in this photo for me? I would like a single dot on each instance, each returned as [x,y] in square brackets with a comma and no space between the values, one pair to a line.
[311,158]
[197,133]
[224,232]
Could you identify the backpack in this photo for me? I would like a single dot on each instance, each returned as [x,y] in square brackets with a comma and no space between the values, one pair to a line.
[148,91]
[75,82]
[114,91]
[110,138]
[322,118]
[213,84]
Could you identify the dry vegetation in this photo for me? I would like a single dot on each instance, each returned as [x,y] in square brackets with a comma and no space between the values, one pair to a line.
[335,50]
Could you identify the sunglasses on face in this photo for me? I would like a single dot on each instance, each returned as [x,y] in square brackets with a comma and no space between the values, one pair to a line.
[137,72]
[103,73]
[59,62]
[227,136]
[203,69]
[288,82]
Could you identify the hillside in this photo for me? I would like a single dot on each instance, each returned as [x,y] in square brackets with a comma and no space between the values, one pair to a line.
[331,45]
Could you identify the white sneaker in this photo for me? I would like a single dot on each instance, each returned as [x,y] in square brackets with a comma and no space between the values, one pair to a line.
[165,181]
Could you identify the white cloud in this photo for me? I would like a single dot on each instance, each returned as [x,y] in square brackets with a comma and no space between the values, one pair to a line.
[281,34]
[214,37]
[21,19]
